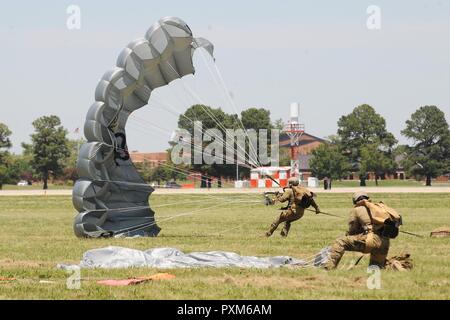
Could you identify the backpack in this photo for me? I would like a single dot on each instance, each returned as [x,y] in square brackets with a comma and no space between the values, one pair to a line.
[384,218]
[303,197]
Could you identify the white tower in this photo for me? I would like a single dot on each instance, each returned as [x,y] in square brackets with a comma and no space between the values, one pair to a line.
[295,110]
[294,130]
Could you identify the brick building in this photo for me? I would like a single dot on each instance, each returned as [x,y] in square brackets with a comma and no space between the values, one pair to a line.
[152,159]
[302,152]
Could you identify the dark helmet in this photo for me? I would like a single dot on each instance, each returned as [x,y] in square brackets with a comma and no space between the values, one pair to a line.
[358,196]
[293,181]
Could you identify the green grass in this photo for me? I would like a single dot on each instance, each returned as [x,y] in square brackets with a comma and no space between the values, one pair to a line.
[386,183]
[36,234]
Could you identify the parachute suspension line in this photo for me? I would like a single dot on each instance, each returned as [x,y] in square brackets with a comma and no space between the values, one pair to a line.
[207,201]
[211,115]
[170,167]
[192,121]
[199,148]
[136,118]
[184,214]
[143,129]
[172,217]
[196,97]
[144,121]
[227,96]
[227,148]
[170,109]
[140,121]
[224,91]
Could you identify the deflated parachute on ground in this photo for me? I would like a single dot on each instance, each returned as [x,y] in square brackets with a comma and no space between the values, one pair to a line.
[110,196]
[168,258]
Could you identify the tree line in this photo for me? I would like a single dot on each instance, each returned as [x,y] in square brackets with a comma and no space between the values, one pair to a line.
[363,144]
[49,155]
[52,155]
[214,118]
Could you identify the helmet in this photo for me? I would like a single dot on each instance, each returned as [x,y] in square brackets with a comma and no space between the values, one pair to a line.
[293,181]
[358,196]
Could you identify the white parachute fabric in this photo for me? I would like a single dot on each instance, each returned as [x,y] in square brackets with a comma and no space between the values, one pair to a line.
[110,196]
[167,258]
[116,257]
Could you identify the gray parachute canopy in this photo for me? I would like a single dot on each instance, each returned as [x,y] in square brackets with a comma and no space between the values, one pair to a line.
[110,196]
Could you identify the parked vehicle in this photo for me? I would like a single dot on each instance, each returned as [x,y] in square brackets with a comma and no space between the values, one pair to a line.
[22,183]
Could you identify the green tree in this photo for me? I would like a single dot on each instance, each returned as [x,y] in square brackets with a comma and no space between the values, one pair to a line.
[328,161]
[258,119]
[159,174]
[430,154]
[254,118]
[165,173]
[49,147]
[376,160]
[279,124]
[177,172]
[5,145]
[20,168]
[359,129]
[211,118]
[144,170]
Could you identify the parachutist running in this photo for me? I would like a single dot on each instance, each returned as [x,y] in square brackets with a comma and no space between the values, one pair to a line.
[299,198]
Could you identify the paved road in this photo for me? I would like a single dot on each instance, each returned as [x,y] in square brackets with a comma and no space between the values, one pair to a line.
[231,190]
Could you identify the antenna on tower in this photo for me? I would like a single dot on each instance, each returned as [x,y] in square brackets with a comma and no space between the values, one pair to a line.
[295,110]
[294,130]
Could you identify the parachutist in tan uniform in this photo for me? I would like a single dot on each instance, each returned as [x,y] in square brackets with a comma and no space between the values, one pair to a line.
[362,236]
[295,208]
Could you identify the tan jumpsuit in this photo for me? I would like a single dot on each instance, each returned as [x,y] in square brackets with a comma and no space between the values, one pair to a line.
[293,213]
[361,237]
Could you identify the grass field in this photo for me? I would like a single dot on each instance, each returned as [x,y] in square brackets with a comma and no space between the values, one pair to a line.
[36,234]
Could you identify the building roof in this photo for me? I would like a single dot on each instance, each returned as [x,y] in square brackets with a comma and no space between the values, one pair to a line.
[139,157]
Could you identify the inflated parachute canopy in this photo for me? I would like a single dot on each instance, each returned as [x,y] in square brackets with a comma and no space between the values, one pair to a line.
[110,196]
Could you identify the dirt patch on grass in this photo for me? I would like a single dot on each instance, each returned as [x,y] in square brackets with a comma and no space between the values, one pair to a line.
[10,264]
[310,282]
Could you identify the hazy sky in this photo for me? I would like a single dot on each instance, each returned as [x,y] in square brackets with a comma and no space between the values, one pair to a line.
[270,53]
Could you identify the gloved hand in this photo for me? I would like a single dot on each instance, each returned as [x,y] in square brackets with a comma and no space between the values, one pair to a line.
[317,210]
